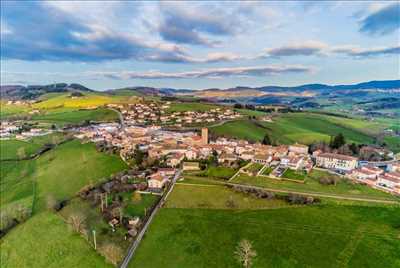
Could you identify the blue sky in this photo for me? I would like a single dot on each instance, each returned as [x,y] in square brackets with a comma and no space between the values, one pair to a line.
[198,45]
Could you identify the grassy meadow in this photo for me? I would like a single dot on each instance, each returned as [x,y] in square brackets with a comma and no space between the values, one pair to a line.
[300,127]
[62,116]
[197,229]
[7,110]
[14,149]
[343,187]
[58,100]
[58,174]
[63,171]
[45,240]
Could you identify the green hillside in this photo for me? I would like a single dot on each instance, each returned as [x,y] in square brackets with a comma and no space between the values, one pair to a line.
[300,127]
[46,241]
[58,174]
[64,116]
[196,229]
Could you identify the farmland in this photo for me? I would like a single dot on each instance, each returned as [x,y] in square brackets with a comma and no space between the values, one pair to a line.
[300,127]
[64,100]
[57,174]
[11,149]
[220,172]
[62,116]
[343,187]
[198,230]
[7,110]
[216,197]
[57,246]
[72,165]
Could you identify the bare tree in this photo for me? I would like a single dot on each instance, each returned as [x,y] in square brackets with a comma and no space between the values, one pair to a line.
[244,253]
[21,153]
[77,222]
[112,252]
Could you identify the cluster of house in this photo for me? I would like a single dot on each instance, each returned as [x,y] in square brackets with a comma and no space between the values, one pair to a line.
[173,148]
[375,177]
[7,129]
[153,113]
[10,130]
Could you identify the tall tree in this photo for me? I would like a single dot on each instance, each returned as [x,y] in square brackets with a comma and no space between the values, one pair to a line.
[337,141]
[244,253]
[266,140]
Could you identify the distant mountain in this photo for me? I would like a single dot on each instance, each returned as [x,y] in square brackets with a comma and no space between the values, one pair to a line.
[240,92]
[34,91]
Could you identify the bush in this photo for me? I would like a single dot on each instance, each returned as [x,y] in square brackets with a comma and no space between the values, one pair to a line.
[60,205]
[296,199]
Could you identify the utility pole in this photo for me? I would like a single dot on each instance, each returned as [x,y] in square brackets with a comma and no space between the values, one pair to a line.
[94,239]
[102,202]
[106,200]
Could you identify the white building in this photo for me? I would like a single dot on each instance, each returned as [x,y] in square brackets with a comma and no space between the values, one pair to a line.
[336,161]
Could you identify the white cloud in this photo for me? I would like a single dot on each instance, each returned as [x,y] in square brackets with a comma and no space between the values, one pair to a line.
[208,73]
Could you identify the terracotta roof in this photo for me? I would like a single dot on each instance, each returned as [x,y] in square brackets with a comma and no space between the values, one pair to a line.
[385,177]
[337,156]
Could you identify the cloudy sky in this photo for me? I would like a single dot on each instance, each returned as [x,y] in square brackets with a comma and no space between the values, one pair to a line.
[198,44]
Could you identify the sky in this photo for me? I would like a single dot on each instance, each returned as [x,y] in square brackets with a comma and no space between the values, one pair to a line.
[198,45]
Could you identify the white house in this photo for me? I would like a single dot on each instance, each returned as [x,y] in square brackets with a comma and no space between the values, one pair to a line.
[336,161]
[262,159]
[156,182]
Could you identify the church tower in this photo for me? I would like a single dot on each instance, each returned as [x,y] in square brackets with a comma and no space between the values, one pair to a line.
[204,135]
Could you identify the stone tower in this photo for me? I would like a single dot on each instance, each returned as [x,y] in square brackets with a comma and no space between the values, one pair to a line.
[204,135]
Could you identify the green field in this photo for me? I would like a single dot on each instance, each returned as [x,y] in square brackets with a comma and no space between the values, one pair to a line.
[343,187]
[216,197]
[250,112]
[7,110]
[294,175]
[62,116]
[198,230]
[393,143]
[241,129]
[267,171]
[17,185]
[64,100]
[11,149]
[219,172]
[254,168]
[300,127]
[46,241]
[140,207]
[63,171]
[58,174]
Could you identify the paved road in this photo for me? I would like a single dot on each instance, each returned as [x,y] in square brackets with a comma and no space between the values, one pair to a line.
[135,244]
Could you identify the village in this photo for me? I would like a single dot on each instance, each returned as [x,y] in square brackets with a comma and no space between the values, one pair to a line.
[154,113]
[11,129]
[186,149]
